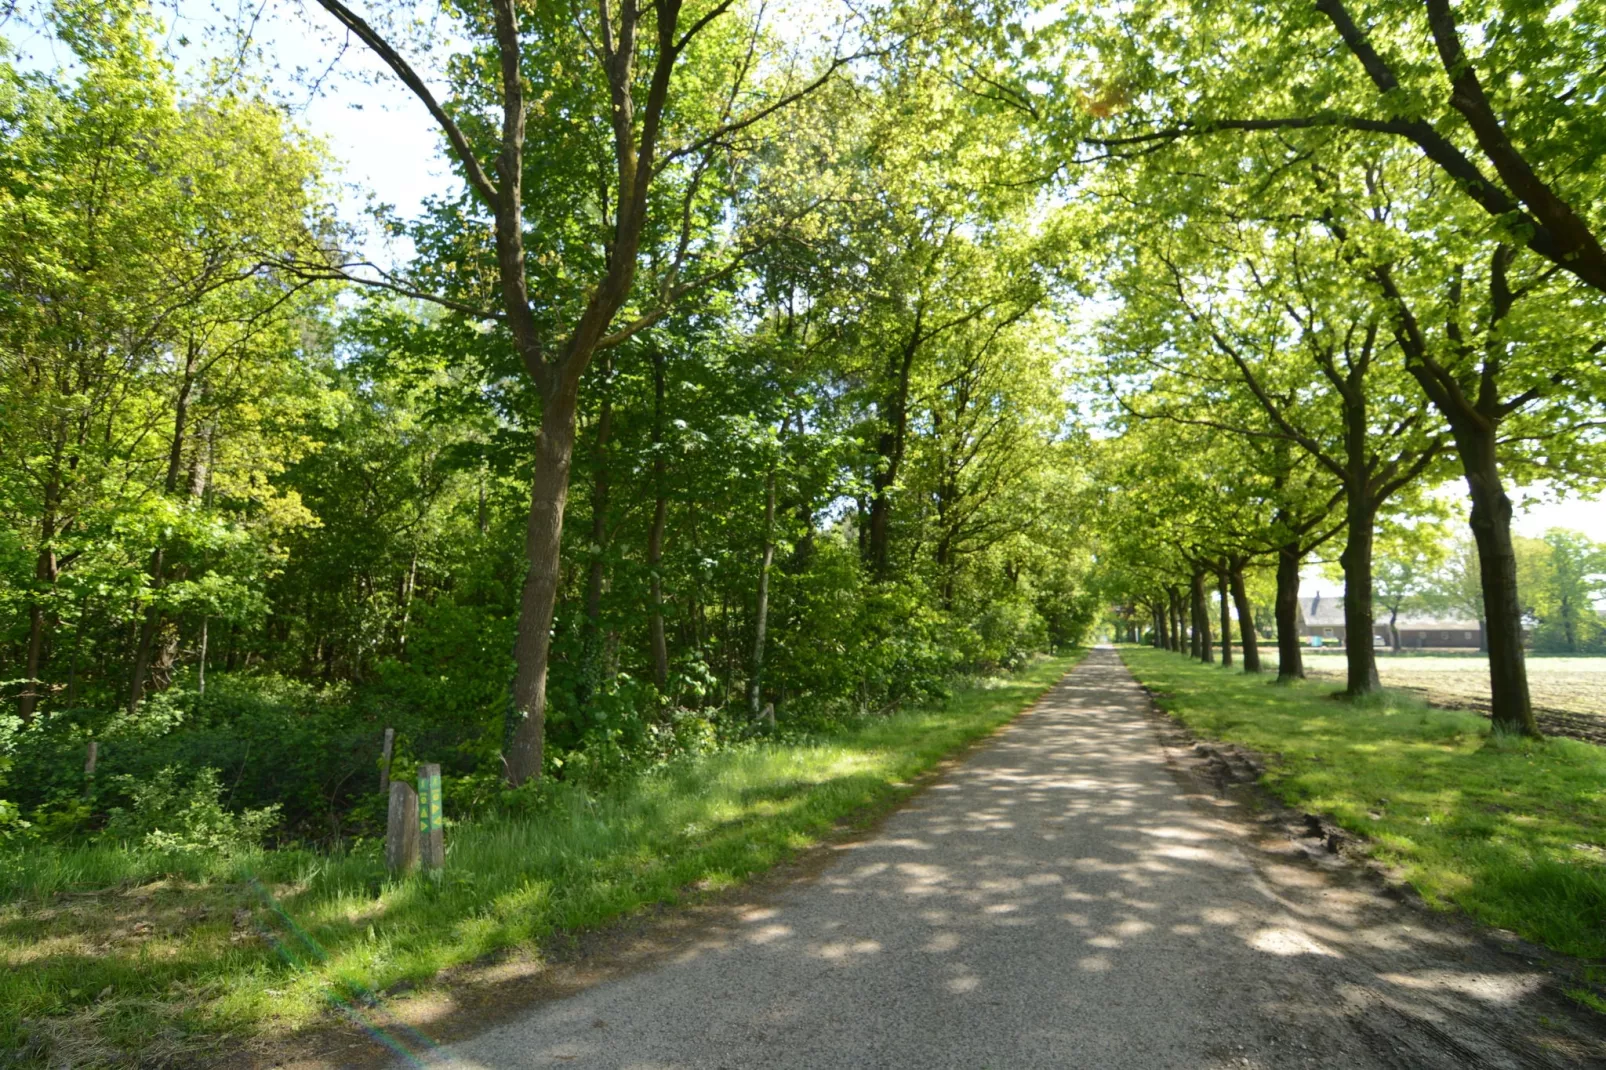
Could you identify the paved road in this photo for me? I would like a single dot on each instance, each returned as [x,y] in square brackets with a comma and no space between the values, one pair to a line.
[1065,898]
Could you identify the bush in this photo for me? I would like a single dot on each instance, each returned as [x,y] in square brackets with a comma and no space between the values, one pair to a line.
[10,814]
[629,734]
[167,815]
[273,741]
[1008,632]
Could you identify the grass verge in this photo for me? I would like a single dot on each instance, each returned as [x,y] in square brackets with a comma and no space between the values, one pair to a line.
[114,956]
[1510,830]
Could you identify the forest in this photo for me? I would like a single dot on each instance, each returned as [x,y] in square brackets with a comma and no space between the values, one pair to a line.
[755,375]
[259,512]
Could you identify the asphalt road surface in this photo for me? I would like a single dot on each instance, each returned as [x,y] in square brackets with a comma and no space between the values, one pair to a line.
[1068,897]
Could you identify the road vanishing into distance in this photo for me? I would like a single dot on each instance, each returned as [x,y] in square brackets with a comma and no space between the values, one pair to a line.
[1073,894]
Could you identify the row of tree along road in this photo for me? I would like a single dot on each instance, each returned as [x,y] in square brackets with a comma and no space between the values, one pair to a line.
[1360,256]
[864,339]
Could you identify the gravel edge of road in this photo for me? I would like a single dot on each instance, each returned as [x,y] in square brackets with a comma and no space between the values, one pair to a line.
[1233,771]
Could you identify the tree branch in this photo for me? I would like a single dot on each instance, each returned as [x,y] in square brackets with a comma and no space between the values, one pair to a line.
[1578,244]
[477,178]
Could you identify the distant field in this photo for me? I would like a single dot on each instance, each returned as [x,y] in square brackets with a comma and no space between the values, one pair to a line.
[1569,685]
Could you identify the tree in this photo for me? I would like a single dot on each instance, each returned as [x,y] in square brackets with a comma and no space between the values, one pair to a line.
[1500,120]
[1409,557]
[666,124]
[1573,584]
[141,232]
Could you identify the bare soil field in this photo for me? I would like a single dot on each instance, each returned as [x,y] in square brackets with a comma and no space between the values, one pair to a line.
[1568,692]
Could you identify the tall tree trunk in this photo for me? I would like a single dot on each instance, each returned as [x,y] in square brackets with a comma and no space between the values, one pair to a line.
[655,622]
[1204,646]
[175,462]
[409,585]
[1360,659]
[1290,659]
[880,523]
[77,649]
[532,647]
[1226,618]
[482,518]
[655,537]
[1475,424]
[200,661]
[945,568]
[890,447]
[166,654]
[725,645]
[596,573]
[1246,617]
[1177,631]
[1510,705]
[1193,622]
[45,572]
[147,636]
[761,611]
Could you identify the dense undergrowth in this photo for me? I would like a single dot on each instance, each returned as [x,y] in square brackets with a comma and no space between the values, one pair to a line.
[112,950]
[1509,829]
[297,760]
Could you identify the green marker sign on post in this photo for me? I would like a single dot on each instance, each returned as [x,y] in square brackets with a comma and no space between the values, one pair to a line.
[431,823]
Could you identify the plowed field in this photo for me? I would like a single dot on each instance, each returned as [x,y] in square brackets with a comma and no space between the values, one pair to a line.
[1569,693]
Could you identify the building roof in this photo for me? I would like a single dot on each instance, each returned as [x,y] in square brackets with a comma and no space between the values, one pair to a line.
[1321,611]
[1327,611]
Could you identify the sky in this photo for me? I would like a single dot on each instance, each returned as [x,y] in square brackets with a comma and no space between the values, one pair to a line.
[1588,517]
[387,148]
[383,139]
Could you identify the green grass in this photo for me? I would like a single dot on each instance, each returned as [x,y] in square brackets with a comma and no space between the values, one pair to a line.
[1510,830]
[109,952]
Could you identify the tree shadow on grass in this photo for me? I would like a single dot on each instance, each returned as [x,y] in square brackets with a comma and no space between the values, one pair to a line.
[1062,899]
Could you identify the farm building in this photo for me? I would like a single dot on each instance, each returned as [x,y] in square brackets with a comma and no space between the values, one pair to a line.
[1322,617]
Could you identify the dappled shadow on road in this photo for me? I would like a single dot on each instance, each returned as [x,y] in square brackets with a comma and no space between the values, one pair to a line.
[1065,899]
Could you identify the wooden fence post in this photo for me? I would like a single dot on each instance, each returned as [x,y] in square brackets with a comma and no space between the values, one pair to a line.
[431,833]
[384,761]
[401,831]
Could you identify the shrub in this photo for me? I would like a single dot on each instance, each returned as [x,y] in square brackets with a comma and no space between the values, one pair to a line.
[167,815]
